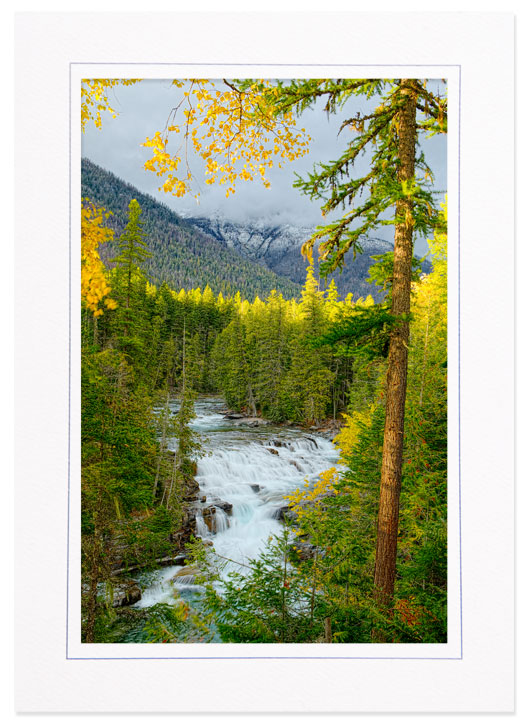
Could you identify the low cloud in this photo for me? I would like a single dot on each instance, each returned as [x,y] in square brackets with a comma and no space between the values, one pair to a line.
[144,109]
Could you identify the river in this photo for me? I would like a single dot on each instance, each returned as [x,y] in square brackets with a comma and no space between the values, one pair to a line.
[251,468]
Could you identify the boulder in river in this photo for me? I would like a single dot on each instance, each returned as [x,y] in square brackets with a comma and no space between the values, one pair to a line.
[273,451]
[251,421]
[208,514]
[216,517]
[187,571]
[285,513]
[186,575]
[224,505]
[126,593]
[294,463]
[304,550]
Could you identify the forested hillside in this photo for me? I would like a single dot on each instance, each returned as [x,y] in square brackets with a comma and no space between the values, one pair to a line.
[279,248]
[250,257]
[181,255]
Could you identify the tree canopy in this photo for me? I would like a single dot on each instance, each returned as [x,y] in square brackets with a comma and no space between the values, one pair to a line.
[244,130]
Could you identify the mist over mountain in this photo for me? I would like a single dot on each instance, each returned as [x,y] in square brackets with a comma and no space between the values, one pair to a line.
[252,257]
[182,255]
[278,247]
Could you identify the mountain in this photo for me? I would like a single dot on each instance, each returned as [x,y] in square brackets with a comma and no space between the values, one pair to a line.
[252,257]
[278,247]
[182,255]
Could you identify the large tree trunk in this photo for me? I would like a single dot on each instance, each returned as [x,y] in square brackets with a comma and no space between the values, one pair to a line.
[388,515]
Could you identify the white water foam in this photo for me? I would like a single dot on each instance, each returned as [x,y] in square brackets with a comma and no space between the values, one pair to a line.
[251,469]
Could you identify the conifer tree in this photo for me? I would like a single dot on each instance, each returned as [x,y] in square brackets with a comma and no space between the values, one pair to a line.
[271,358]
[132,252]
[232,370]
[189,445]
[397,183]
[118,460]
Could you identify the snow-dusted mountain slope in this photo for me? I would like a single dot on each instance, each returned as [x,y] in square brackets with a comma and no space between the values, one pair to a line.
[279,248]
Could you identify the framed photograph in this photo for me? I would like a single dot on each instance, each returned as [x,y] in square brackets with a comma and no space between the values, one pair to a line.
[271,415]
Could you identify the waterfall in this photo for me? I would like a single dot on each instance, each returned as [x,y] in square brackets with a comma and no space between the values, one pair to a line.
[250,470]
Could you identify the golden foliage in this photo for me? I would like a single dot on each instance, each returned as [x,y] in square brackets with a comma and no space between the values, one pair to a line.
[236,132]
[348,436]
[94,98]
[308,501]
[93,283]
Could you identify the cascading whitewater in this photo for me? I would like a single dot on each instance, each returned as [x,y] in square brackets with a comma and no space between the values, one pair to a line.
[251,469]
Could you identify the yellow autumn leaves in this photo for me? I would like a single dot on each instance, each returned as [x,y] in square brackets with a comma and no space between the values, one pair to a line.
[307,502]
[348,436]
[237,133]
[94,98]
[93,283]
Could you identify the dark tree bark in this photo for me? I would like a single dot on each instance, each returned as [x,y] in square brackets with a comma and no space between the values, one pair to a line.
[390,488]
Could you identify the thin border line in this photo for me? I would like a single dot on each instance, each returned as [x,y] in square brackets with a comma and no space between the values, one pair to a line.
[459,368]
[69,379]
[296,65]
[268,657]
[278,65]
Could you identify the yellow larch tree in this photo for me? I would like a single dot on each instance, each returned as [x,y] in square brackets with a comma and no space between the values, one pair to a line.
[93,282]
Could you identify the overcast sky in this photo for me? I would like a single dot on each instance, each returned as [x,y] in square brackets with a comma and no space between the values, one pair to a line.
[144,108]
